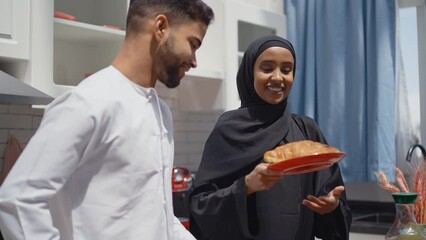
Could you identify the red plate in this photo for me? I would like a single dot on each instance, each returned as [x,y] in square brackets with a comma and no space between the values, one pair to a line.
[308,163]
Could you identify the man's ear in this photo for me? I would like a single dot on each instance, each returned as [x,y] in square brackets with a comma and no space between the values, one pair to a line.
[161,26]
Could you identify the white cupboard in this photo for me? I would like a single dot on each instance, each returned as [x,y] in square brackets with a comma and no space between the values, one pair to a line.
[244,23]
[236,24]
[14,30]
[83,46]
[63,52]
[69,50]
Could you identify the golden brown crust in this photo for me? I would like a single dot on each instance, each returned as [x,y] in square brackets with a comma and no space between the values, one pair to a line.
[297,149]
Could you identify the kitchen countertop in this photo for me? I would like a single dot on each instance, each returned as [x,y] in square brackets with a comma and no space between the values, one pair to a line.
[374,218]
[365,236]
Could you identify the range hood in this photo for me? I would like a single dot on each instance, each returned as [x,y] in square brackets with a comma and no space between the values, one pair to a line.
[13,90]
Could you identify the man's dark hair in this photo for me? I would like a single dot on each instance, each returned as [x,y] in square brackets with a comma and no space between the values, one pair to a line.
[177,11]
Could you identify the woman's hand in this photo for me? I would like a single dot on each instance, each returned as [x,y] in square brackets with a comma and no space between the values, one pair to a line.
[261,178]
[324,204]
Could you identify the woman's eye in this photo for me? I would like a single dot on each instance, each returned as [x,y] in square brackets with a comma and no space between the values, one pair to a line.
[286,70]
[267,69]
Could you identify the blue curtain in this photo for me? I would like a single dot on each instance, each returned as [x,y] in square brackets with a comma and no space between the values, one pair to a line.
[345,78]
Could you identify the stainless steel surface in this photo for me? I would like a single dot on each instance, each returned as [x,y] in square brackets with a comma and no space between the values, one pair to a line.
[372,217]
[411,150]
[373,223]
[13,90]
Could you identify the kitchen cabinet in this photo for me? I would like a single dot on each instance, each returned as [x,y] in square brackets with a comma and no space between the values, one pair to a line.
[236,24]
[85,45]
[210,86]
[74,49]
[63,52]
[244,23]
[80,47]
[14,30]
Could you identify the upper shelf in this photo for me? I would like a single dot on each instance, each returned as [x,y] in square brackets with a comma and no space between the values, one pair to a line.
[74,31]
[203,73]
[83,32]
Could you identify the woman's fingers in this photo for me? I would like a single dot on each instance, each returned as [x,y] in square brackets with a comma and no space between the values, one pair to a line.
[324,204]
[261,178]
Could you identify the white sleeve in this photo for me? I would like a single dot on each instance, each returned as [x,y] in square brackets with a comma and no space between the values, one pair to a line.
[180,231]
[46,163]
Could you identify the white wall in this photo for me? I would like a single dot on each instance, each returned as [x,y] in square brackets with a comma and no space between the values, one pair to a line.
[270,5]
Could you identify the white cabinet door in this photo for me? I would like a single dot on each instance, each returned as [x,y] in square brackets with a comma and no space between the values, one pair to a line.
[244,23]
[236,24]
[14,29]
[6,19]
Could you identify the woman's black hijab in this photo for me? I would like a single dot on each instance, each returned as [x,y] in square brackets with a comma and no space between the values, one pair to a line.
[240,137]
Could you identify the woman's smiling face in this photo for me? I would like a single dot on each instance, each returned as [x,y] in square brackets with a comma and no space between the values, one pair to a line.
[273,74]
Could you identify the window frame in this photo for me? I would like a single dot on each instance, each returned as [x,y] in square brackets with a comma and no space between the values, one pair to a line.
[421,46]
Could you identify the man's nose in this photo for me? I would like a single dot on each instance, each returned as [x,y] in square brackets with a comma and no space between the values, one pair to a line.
[193,61]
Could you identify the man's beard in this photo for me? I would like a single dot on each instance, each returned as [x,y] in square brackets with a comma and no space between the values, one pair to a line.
[170,72]
[173,78]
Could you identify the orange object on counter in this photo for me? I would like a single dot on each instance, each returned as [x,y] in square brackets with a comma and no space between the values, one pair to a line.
[112,27]
[66,16]
[11,153]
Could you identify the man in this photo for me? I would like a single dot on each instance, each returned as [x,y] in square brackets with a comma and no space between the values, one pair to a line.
[99,166]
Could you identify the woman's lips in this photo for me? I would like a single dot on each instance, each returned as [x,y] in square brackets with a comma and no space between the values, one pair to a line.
[275,89]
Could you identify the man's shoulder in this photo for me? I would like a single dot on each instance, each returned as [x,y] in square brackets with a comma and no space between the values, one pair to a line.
[104,79]
[106,85]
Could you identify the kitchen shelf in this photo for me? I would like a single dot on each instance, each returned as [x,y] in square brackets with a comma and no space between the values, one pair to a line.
[81,49]
[74,31]
[201,73]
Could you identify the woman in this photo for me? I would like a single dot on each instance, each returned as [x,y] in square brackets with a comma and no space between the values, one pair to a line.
[235,195]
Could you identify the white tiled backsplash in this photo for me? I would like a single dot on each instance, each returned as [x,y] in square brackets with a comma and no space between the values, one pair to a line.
[191,129]
[20,121]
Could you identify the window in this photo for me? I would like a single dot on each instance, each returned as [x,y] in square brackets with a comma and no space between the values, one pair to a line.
[412,39]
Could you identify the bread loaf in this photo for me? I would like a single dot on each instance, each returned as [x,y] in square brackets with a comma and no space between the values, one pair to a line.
[296,150]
